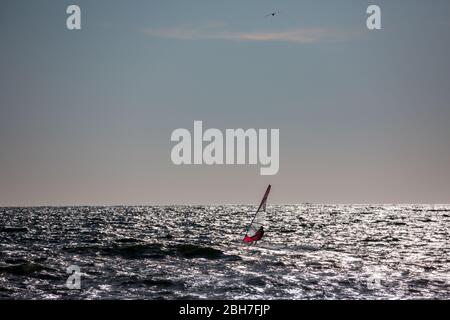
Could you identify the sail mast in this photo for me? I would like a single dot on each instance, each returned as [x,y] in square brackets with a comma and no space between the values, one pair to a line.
[263,203]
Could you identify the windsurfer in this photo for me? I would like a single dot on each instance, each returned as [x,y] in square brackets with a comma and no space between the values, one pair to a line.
[255,231]
[256,237]
[259,234]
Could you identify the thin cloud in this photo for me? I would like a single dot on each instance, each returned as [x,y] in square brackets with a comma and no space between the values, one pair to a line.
[299,35]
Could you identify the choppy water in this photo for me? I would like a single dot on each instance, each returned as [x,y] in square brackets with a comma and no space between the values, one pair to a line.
[191,252]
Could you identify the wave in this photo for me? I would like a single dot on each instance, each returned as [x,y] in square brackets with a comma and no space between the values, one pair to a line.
[23,269]
[192,251]
[163,283]
[137,251]
[127,240]
[256,282]
[14,229]
[383,239]
[130,250]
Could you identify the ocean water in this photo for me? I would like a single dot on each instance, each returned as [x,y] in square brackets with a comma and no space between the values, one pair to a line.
[195,252]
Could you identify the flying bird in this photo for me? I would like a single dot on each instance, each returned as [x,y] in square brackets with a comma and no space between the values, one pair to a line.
[272,14]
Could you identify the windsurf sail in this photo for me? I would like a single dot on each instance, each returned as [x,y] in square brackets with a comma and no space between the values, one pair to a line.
[255,231]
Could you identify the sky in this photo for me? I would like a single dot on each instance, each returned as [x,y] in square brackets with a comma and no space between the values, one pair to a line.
[86,116]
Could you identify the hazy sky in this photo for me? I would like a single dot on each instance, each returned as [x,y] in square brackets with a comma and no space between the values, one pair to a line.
[86,116]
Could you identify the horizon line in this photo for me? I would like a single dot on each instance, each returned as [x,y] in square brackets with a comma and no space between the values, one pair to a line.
[225,204]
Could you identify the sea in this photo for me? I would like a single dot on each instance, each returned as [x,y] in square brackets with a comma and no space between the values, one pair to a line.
[309,251]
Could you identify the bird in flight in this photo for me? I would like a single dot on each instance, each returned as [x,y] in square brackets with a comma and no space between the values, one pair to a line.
[272,14]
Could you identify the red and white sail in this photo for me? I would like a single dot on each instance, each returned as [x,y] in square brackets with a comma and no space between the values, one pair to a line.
[258,220]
